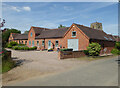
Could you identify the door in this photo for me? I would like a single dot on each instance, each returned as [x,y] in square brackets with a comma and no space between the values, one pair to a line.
[49,44]
[73,43]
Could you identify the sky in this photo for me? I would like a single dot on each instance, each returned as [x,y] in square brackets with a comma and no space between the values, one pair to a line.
[23,15]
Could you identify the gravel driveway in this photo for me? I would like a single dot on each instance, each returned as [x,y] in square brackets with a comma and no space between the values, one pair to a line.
[37,63]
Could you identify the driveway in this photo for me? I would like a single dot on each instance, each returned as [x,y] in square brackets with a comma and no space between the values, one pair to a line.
[103,72]
[37,63]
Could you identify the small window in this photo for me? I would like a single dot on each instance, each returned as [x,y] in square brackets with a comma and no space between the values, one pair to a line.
[38,43]
[29,42]
[74,34]
[25,42]
[56,43]
[31,34]
[43,42]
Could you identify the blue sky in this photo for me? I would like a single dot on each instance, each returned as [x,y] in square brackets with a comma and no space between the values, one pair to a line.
[23,15]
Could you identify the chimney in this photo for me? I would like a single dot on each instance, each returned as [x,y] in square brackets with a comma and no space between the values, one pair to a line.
[96,25]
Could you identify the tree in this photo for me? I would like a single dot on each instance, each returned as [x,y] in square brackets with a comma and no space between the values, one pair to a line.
[6,34]
[61,26]
[94,49]
[26,32]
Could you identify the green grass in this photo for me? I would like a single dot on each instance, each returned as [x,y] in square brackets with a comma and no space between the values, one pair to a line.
[86,58]
[7,65]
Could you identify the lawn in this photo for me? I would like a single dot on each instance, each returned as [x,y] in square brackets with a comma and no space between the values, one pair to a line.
[90,58]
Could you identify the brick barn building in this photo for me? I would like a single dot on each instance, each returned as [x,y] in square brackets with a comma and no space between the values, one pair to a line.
[76,36]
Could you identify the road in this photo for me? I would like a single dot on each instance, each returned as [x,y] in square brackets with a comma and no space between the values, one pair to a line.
[103,72]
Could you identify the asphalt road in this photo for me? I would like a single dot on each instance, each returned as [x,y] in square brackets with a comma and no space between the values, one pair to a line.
[102,72]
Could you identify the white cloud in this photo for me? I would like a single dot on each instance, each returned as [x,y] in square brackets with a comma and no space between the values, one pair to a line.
[26,8]
[15,9]
[7,7]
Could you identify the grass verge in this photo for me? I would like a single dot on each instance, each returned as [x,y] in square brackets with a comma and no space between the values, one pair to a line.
[86,58]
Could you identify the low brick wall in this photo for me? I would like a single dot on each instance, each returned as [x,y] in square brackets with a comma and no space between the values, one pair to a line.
[70,54]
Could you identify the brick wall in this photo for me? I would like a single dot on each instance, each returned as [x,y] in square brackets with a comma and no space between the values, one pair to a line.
[31,38]
[70,54]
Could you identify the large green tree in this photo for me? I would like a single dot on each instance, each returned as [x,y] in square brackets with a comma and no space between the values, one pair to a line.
[61,26]
[6,34]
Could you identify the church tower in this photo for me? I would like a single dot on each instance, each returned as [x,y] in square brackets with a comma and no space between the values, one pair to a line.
[96,25]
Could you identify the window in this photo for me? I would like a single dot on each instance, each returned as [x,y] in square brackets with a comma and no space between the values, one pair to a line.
[22,42]
[74,34]
[29,42]
[32,43]
[25,42]
[38,43]
[31,34]
[43,42]
[56,43]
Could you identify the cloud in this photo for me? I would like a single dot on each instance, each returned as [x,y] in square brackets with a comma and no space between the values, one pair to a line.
[15,9]
[26,8]
[7,7]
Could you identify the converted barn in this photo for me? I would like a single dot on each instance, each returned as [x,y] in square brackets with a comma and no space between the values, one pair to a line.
[76,37]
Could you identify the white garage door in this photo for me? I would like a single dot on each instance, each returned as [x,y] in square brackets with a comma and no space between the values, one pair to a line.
[73,43]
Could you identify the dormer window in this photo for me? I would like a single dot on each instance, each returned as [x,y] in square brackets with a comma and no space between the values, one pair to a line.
[74,34]
[31,34]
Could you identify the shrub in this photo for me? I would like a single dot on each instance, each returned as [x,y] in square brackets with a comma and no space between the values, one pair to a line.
[34,48]
[117,45]
[86,52]
[115,51]
[9,46]
[66,49]
[21,45]
[15,47]
[50,49]
[13,43]
[94,49]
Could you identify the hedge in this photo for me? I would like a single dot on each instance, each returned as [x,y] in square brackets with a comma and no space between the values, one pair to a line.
[24,48]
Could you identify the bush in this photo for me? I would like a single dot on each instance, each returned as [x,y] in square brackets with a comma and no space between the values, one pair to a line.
[34,48]
[115,51]
[94,49]
[86,52]
[24,48]
[66,49]
[21,45]
[11,44]
[117,45]
[15,47]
